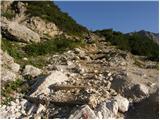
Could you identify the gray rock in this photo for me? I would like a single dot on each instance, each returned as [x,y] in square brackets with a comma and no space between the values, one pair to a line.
[44,28]
[7,75]
[32,71]
[40,109]
[15,67]
[42,86]
[107,109]
[84,112]
[123,103]
[18,32]
[140,90]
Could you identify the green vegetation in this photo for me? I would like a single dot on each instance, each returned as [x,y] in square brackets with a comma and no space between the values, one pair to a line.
[47,10]
[12,47]
[10,87]
[8,14]
[51,46]
[135,43]
[37,53]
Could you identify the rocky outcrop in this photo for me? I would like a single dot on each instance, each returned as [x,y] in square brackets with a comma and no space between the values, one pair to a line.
[43,28]
[41,86]
[32,71]
[18,32]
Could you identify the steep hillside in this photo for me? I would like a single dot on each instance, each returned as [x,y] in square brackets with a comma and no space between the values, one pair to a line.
[52,67]
[46,10]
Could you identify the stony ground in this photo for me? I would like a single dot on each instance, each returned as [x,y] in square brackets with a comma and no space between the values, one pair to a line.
[97,81]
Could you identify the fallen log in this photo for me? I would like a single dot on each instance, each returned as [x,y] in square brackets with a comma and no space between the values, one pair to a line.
[66,87]
[56,101]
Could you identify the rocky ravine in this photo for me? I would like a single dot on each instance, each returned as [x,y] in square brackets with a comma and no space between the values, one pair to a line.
[96,82]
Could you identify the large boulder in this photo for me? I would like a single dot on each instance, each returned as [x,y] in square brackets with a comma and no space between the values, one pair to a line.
[42,86]
[32,71]
[123,103]
[18,32]
[84,112]
[42,27]
[107,109]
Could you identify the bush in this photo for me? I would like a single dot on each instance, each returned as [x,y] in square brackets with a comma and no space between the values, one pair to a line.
[8,14]
[135,43]
[12,48]
[51,46]
[9,88]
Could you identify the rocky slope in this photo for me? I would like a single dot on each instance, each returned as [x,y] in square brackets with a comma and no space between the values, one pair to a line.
[93,81]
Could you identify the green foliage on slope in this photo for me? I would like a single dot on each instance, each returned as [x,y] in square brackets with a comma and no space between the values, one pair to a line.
[38,52]
[135,43]
[47,10]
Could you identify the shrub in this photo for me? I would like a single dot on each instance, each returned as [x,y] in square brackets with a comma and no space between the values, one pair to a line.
[8,14]
[9,88]
[51,46]
[135,43]
[12,48]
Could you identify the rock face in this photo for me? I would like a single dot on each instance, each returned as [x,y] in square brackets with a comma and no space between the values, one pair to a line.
[85,112]
[107,109]
[43,28]
[31,71]
[123,103]
[42,85]
[18,32]
[9,69]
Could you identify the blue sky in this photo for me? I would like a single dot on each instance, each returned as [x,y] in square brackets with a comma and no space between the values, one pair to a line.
[121,16]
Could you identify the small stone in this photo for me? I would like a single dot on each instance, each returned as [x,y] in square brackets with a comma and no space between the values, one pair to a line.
[123,63]
[17,101]
[108,85]
[18,114]
[13,103]
[113,92]
[109,74]
[111,78]
[25,58]
[84,112]
[95,71]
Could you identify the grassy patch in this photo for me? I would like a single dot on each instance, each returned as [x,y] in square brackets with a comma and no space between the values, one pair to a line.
[9,88]
[8,14]
[51,46]
[12,48]
[37,53]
